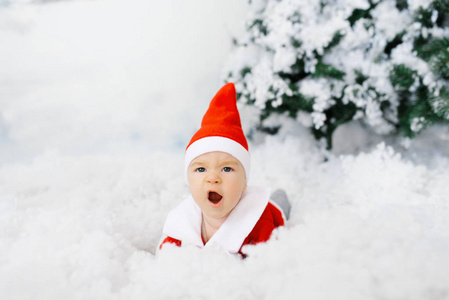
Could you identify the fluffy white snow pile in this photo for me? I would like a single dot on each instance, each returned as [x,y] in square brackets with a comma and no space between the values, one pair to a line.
[82,221]
[370,226]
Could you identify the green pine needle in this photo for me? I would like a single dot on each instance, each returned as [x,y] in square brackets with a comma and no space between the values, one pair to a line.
[402,77]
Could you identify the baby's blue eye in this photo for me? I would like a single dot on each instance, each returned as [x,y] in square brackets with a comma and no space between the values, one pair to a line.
[227,169]
[200,169]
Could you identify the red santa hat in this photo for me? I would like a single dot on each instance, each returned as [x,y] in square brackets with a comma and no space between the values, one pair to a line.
[221,130]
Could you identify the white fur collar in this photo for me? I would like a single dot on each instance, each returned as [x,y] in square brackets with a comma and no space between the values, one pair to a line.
[184,221]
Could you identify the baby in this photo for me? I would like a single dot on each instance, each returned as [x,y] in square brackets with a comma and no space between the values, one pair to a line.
[221,210]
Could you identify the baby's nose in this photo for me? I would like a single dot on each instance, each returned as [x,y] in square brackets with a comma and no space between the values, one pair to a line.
[213,177]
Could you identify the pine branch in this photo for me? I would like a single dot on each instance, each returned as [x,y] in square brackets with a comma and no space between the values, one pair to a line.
[436,53]
[432,48]
[440,103]
[424,17]
[402,77]
[327,71]
[442,7]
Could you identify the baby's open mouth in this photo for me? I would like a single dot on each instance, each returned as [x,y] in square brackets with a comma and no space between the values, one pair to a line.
[214,197]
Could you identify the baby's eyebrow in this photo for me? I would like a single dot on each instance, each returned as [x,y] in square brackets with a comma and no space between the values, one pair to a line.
[196,164]
[229,162]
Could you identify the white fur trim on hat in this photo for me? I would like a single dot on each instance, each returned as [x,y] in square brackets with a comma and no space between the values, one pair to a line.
[217,143]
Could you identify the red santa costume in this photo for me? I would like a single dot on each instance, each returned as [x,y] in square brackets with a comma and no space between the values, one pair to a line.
[254,218]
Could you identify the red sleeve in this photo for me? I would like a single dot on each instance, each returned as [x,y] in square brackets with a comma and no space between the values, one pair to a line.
[270,219]
[170,240]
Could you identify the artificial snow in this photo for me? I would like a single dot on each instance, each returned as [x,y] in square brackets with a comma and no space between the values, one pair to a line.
[89,171]
[367,226]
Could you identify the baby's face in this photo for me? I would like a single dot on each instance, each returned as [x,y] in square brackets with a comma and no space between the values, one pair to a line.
[217,181]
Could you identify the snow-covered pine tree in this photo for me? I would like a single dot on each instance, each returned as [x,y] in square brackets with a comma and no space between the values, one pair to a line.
[383,62]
